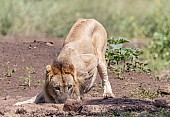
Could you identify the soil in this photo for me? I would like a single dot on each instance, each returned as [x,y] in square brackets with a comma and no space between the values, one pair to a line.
[23,59]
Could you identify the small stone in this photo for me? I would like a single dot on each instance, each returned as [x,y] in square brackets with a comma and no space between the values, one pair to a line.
[20,111]
[72,105]
[49,43]
[160,103]
[2,113]
[7,97]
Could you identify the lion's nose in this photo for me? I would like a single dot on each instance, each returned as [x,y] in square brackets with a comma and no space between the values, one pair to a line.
[62,100]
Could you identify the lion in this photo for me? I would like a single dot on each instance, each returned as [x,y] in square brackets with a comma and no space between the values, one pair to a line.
[81,57]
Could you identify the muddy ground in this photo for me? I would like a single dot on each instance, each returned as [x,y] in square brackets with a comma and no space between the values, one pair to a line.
[22,74]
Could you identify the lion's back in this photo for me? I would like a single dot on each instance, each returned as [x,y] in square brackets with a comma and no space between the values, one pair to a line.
[86,35]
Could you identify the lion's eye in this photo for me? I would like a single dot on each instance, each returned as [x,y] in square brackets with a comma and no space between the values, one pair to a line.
[67,72]
[57,88]
[69,87]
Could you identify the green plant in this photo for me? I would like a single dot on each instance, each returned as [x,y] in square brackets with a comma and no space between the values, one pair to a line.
[5,25]
[158,53]
[116,53]
[9,72]
[159,47]
[162,112]
[26,81]
[138,66]
[30,70]
[126,59]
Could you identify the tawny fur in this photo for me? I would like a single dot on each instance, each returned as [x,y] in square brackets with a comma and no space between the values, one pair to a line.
[82,56]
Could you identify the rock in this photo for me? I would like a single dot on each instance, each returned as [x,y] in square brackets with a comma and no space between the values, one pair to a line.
[160,103]
[72,105]
[7,97]
[21,111]
[2,112]
[49,43]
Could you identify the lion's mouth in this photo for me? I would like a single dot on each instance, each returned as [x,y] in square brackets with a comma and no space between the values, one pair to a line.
[61,101]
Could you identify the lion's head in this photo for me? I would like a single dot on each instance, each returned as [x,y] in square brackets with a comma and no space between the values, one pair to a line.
[61,83]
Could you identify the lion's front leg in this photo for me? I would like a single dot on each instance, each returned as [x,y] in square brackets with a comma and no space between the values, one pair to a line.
[76,93]
[107,90]
[102,68]
[93,74]
[39,98]
[91,62]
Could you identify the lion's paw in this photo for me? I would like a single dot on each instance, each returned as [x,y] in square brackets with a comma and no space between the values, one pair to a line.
[108,95]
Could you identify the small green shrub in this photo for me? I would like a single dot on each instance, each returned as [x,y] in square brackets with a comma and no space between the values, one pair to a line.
[30,70]
[26,81]
[159,47]
[9,72]
[125,59]
[116,53]
[158,51]
[5,24]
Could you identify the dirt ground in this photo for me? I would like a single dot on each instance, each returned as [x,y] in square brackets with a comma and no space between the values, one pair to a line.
[22,74]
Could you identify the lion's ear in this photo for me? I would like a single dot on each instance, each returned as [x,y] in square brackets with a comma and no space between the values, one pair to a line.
[49,73]
[48,68]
